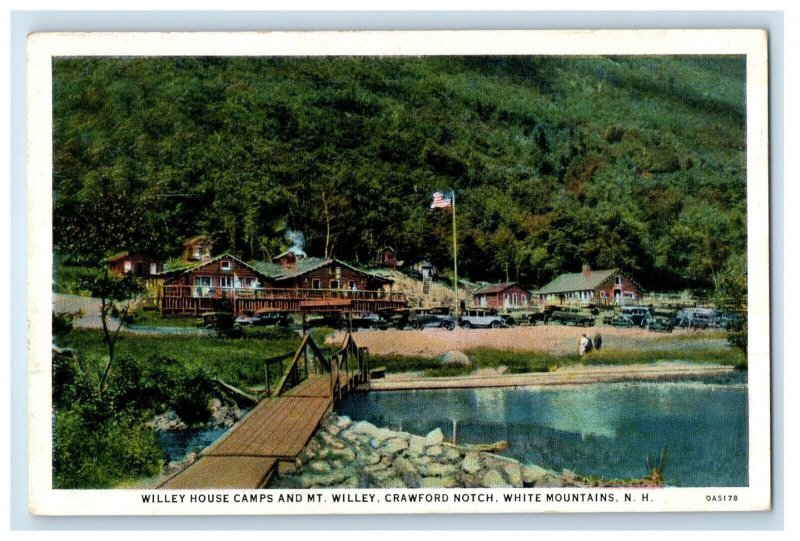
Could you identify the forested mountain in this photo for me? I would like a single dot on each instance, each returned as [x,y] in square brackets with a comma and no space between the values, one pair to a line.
[631,162]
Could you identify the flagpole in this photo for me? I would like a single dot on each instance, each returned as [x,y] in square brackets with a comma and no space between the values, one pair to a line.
[455,254]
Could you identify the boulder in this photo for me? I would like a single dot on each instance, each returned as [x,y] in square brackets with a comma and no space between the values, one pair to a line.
[434,450]
[451,454]
[393,482]
[435,469]
[393,446]
[471,463]
[493,479]
[513,474]
[531,473]
[416,445]
[438,482]
[319,466]
[434,437]
[455,358]
[342,421]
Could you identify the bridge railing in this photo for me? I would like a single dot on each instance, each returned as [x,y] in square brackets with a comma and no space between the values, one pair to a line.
[349,360]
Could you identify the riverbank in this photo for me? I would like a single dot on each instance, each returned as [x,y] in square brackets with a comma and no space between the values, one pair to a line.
[576,374]
[344,454]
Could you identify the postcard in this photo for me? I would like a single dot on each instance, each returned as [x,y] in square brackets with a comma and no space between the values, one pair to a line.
[398,272]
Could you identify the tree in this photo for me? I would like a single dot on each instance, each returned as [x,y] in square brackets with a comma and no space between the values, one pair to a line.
[116,297]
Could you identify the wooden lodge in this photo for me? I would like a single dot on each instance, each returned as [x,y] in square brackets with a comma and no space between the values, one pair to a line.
[139,265]
[290,283]
[609,286]
[506,296]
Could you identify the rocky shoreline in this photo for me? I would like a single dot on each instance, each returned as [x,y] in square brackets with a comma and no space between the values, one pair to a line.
[347,454]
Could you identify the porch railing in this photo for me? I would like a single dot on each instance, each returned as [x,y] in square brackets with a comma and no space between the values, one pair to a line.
[205,292]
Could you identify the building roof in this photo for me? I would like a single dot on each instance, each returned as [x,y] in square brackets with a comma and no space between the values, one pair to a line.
[495,288]
[117,256]
[191,266]
[576,281]
[196,238]
[304,265]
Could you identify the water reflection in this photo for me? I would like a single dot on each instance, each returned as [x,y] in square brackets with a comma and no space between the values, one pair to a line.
[602,429]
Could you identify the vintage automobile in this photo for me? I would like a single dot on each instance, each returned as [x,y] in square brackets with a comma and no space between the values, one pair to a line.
[432,317]
[571,316]
[637,314]
[264,318]
[475,317]
[661,321]
[696,318]
[396,317]
[223,324]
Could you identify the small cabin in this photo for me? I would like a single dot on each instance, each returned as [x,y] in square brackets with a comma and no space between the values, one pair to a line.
[217,276]
[286,260]
[387,258]
[507,296]
[139,265]
[197,249]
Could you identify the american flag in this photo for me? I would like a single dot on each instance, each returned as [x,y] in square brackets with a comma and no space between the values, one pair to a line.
[439,202]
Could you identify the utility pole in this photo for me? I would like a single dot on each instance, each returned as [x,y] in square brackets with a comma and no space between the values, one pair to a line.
[455,254]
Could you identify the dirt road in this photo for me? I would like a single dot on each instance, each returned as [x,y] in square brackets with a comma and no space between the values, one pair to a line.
[553,339]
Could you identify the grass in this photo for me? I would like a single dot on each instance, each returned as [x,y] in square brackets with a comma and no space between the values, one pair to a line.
[520,362]
[237,361]
[151,318]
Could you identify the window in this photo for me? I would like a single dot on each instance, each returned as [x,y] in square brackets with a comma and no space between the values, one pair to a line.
[225,265]
[338,272]
[334,284]
[153,268]
[619,280]
[202,286]
[351,285]
[315,284]
[127,266]
[226,281]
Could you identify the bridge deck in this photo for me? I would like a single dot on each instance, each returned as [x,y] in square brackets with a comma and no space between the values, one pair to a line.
[276,429]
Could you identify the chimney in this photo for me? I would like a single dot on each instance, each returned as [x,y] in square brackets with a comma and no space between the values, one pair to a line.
[587,270]
[289,260]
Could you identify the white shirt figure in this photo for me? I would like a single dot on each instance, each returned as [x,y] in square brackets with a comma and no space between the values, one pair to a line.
[585,345]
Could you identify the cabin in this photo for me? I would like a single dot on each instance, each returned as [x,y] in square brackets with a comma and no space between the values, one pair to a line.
[425,269]
[608,286]
[139,265]
[197,249]
[507,296]
[387,258]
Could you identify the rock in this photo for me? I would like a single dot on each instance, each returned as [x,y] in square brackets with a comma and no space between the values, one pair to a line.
[367,458]
[167,421]
[393,446]
[338,444]
[372,468]
[346,454]
[393,482]
[421,460]
[531,473]
[379,476]
[434,437]
[326,437]
[435,469]
[438,482]
[568,476]
[323,480]
[513,474]
[332,429]
[451,454]
[493,479]
[471,463]
[549,481]
[468,480]
[350,482]
[416,445]
[214,405]
[381,435]
[363,427]
[404,466]
[434,450]
[343,421]
[455,358]
[319,466]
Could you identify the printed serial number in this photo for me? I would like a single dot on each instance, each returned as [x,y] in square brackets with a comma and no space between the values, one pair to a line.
[722,498]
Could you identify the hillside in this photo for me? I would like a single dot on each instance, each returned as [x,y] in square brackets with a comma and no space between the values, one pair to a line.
[630,162]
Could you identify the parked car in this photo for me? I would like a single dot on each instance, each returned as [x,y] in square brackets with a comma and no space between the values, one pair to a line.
[368,321]
[661,321]
[480,318]
[432,317]
[696,318]
[617,320]
[223,324]
[396,317]
[264,318]
[571,316]
[728,320]
[638,315]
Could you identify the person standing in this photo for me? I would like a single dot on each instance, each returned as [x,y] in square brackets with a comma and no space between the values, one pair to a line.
[585,345]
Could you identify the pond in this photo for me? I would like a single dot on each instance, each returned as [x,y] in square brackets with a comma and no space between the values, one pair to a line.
[604,429]
[177,443]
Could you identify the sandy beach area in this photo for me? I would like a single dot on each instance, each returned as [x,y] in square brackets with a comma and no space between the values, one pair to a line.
[552,339]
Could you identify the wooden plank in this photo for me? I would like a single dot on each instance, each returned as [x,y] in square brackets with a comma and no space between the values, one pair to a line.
[255,428]
[304,432]
[244,428]
[223,472]
[267,441]
[278,441]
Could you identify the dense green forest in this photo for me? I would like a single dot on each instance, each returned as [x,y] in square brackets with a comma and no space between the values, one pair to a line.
[632,162]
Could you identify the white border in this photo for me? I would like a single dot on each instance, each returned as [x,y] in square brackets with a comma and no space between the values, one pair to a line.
[42,47]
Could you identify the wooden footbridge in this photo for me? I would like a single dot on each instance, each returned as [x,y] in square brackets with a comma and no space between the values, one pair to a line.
[278,428]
